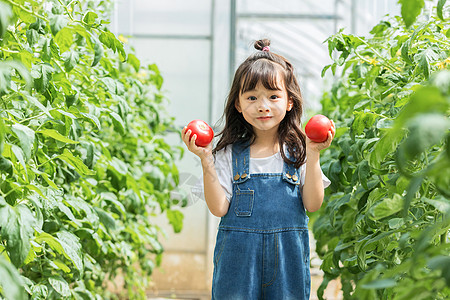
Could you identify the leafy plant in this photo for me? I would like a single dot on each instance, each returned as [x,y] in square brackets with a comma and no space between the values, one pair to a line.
[384,227]
[84,165]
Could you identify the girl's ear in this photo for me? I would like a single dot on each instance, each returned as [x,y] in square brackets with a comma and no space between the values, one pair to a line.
[290,104]
[238,106]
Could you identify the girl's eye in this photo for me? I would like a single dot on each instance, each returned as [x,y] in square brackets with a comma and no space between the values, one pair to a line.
[273,97]
[252,98]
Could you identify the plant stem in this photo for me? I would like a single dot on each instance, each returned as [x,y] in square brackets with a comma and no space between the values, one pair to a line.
[386,63]
[8,51]
[6,195]
[437,41]
[26,10]
[47,161]
[14,36]
[30,118]
[67,10]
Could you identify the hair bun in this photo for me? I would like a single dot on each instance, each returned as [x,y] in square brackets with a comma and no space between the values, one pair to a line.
[260,44]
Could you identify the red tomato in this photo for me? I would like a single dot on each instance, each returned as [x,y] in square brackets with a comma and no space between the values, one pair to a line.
[203,131]
[317,128]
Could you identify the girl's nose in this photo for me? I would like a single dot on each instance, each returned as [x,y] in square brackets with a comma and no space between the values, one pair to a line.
[264,107]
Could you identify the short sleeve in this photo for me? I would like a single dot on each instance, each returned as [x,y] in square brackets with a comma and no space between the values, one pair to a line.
[222,163]
[325,180]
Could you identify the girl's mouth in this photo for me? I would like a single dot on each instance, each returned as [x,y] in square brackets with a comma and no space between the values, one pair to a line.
[264,118]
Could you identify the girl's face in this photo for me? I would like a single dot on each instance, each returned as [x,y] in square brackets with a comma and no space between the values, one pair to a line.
[264,108]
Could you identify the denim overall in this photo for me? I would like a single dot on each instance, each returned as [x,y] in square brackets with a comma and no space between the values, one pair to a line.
[262,248]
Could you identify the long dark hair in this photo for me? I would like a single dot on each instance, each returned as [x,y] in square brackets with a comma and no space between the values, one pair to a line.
[264,67]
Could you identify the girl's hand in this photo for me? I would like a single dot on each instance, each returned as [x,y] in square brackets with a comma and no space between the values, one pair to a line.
[310,145]
[202,152]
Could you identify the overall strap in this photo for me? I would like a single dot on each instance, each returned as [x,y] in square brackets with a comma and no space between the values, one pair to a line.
[241,161]
[290,173]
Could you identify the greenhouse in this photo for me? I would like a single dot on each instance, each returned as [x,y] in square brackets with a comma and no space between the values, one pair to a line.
[319,169]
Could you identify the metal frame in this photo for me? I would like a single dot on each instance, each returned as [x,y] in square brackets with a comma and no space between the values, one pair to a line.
[235,17]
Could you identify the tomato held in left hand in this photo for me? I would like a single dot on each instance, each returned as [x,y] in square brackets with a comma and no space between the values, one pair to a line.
[203,131]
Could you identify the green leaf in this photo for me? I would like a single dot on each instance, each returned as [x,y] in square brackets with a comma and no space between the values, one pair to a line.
[387,207]
[10,280]
[57,22]
[425,130]
[6,166]
[441,80]
[46,50]
[52,241]
[71,59]
[23,72]
[364,173]
[39,291]
[424,59]
[5,16]
[110,41]
[441,204]
[158,80]
[110,84]
[18,152]
[410,10]
[57,136]
[47,179]
[107,220]
[411,191]
[64,38]
[134,61]
[84,209]
[2,135]
[324,70]
[17,229]
[175,219]
[396,223]
[38,104]
[427,99]
[98,51]
[441,262]
[93,119]
[66,210]
[26,138]
[32,36]
[119,125]
[405,52]
[119,165]
[75,162]
[387,144]
[72,248]
[380,284]
[59,285]
[90,17]
[42,75]
[440,6]
[111,197]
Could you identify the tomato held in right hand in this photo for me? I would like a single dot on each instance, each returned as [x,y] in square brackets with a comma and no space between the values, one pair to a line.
[317,128]
[203,131]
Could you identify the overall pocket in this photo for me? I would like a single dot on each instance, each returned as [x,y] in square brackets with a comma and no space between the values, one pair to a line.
[244,203]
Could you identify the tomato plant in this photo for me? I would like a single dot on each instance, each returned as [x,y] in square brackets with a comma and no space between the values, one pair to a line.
[384,227]
[317,128]
[83,161]
[203,131]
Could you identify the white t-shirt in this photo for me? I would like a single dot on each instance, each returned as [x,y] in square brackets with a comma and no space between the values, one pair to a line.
[224,169]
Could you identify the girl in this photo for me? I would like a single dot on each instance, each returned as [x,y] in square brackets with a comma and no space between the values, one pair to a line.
[259,179]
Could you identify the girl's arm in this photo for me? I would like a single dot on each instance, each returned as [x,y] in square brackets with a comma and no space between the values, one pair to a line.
[214,194]
[313,190]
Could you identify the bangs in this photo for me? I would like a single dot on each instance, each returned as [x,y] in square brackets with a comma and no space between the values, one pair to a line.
[263,71]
